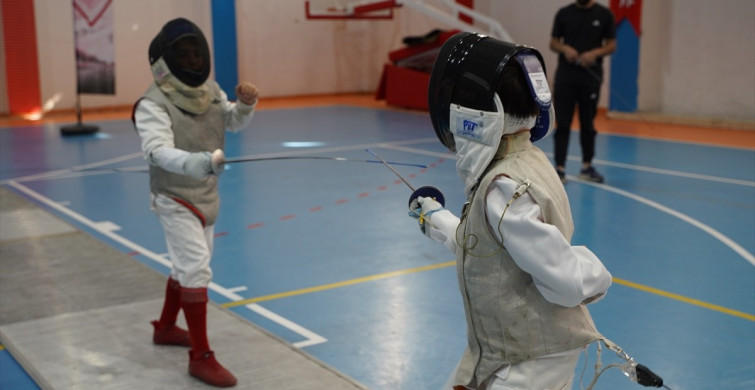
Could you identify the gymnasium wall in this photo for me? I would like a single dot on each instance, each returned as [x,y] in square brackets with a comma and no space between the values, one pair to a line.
[697,57]
[279,50]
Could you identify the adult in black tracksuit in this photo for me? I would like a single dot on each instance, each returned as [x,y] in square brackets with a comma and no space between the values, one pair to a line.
[583,33]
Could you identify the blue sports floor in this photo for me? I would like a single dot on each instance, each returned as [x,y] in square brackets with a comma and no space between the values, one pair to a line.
[322,253]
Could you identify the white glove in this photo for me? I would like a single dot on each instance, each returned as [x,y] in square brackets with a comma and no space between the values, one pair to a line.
[428,207]
[198,165]
[217,162]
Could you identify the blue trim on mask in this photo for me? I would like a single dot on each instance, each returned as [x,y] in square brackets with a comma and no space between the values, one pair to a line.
[530,63]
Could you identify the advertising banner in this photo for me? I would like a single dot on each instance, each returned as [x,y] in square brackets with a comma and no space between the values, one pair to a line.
[95,53]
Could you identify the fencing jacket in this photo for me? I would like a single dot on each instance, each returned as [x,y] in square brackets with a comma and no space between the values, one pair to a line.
[508,318]
[191,133]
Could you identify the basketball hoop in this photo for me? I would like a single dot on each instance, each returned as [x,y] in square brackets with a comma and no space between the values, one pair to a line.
[349,9]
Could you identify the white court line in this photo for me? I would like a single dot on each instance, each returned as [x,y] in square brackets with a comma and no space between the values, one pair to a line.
[684,217]
[670,172]
[72,170]
[311,338]
[392,146]
[596,162]
[744,253]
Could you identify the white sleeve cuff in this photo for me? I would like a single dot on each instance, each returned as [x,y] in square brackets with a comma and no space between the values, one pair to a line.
[442,228]
[595,277]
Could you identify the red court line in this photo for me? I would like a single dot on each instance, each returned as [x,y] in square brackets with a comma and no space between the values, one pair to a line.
[338,202]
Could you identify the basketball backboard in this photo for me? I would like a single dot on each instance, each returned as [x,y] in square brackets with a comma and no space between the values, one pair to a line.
[349,9]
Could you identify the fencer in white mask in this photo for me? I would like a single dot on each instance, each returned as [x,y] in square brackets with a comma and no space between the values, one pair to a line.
[524,286]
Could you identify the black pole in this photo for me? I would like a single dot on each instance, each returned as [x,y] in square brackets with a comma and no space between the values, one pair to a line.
[79,128]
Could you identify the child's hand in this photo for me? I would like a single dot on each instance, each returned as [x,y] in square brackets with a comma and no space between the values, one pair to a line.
[247,93]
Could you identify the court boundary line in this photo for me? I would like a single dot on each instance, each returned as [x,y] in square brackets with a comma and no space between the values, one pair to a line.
[424,268]
[334,285]
[634,167]
[738,249]
[310,338]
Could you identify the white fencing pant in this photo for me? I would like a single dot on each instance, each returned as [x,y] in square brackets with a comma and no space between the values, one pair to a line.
[552,372]
[189,243]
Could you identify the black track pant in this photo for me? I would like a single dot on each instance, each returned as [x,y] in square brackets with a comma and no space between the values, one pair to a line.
[567,95]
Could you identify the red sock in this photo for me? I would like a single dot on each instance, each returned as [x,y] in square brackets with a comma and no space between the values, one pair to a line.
[172,304]
[194,304]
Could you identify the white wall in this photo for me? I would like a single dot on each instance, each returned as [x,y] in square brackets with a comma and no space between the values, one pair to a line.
[279,50]
[697,56]
[654,43]
[285,54]
[710,62]
[136,22]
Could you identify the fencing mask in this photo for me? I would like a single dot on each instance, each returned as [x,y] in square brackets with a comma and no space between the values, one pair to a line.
[467,74]
[183,48]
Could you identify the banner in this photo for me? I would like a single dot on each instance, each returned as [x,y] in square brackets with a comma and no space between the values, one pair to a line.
[625,61]
[631,10]
[95,53]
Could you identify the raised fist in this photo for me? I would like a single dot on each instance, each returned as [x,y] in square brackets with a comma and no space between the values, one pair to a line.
[247,93]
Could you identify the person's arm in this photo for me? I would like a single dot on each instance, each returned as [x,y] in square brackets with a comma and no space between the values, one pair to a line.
[589,57]
[558,46]
[564,274]
[557,42]
[239,114]
[154,127]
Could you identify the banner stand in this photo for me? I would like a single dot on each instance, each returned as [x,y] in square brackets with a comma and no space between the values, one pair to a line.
[95,55]
[79,128]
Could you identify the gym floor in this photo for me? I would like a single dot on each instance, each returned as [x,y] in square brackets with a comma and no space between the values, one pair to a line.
[322,254]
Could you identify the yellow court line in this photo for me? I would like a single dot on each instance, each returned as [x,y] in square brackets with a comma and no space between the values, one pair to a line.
[682,298]
[386,275]
[338,284]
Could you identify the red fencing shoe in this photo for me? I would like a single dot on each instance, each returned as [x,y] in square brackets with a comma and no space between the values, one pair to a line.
[207,369]
[172,335]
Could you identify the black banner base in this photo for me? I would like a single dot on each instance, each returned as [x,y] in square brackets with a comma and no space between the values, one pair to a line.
[79,129]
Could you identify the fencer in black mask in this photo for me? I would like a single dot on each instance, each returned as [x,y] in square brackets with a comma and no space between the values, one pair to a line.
[182,119]
[179,58]
[524,286]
